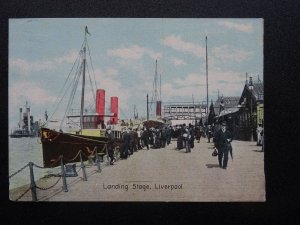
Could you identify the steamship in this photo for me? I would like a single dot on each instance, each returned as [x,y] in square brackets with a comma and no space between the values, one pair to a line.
[26,126]
[85,129]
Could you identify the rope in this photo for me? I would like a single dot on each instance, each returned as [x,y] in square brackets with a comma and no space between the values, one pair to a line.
[59,157]
[18,171]
[70,160]
[89,51]
[94,95]
[40,167]
[75,62]
[22,194]
[72,93]
[90,154]
[41,188]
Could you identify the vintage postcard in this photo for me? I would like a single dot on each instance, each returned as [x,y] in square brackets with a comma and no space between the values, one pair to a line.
[136,110]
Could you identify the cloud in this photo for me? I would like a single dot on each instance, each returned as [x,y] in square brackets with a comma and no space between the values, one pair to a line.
[226,54]
[190,80]
[229,83]
[67,58]
[25,67]
[178,44]
[134,52]
[247,28]
[29,91]
[109,81]
[178,62]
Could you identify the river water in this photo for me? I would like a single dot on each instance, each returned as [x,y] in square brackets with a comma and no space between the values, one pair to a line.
[21,152]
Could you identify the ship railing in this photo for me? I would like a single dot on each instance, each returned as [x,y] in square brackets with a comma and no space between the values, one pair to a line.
[67,170]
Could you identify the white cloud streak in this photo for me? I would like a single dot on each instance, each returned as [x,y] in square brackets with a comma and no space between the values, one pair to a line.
[134,52]
[195,84]
[247,28]
[25,67]
[178,44]
[109,81]
[31,91]
[226,54]
[178,62]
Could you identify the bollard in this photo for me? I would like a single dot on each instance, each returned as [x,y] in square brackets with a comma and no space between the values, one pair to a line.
[98,162]
[83,168]
[65,188]
[32,183]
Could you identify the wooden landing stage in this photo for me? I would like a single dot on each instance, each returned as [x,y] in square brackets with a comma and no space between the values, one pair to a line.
[168,175]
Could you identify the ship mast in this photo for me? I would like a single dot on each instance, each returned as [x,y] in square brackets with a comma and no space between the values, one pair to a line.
[83,79]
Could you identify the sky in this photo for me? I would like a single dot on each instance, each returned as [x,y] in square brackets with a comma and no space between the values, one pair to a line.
[123,52]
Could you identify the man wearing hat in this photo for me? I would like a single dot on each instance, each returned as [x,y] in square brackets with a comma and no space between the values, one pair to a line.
[223,144]
[110,145]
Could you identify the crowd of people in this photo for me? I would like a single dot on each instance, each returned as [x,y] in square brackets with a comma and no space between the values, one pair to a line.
[158,138]
[133,140]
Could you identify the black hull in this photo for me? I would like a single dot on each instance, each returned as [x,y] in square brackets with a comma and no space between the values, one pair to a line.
[56,144]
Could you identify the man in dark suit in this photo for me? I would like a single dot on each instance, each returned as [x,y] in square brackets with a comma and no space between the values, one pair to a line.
[110,145]
[223,144]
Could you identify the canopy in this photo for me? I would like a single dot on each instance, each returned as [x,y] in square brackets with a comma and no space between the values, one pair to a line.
[228,111]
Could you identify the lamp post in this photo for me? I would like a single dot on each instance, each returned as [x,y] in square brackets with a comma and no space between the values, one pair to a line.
[251,120]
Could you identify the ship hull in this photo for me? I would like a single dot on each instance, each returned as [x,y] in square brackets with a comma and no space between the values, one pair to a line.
[56,144]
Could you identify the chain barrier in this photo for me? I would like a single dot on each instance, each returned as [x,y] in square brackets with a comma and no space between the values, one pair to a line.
[41,188]
[18,171]
[40,167]
[22,194]
[78,170]
[70,160]
[94,152]
[90,154]
[55,161]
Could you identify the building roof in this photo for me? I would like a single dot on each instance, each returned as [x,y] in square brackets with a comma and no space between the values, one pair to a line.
[257,91]
[229,102]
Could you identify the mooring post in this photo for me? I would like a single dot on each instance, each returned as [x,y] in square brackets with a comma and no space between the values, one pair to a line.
[98,162]
[83,167]
[32,183]
[63,174]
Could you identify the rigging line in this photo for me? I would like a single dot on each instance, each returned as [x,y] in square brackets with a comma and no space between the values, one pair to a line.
[72,94]
[76,60]
[74,86]
[78,56]
[93,91]
[124,114]
[69,103]
[91,64]
[57,104]
[66,91]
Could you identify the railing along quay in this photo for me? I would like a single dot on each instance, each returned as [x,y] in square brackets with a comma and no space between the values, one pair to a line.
[67,170]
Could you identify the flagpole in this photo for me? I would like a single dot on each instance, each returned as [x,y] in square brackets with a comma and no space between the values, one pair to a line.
[206,81]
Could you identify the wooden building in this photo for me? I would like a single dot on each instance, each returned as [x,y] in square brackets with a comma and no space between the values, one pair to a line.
[251,112]
[243,114]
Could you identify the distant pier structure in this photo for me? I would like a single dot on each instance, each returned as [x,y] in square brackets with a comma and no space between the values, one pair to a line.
[185,112]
